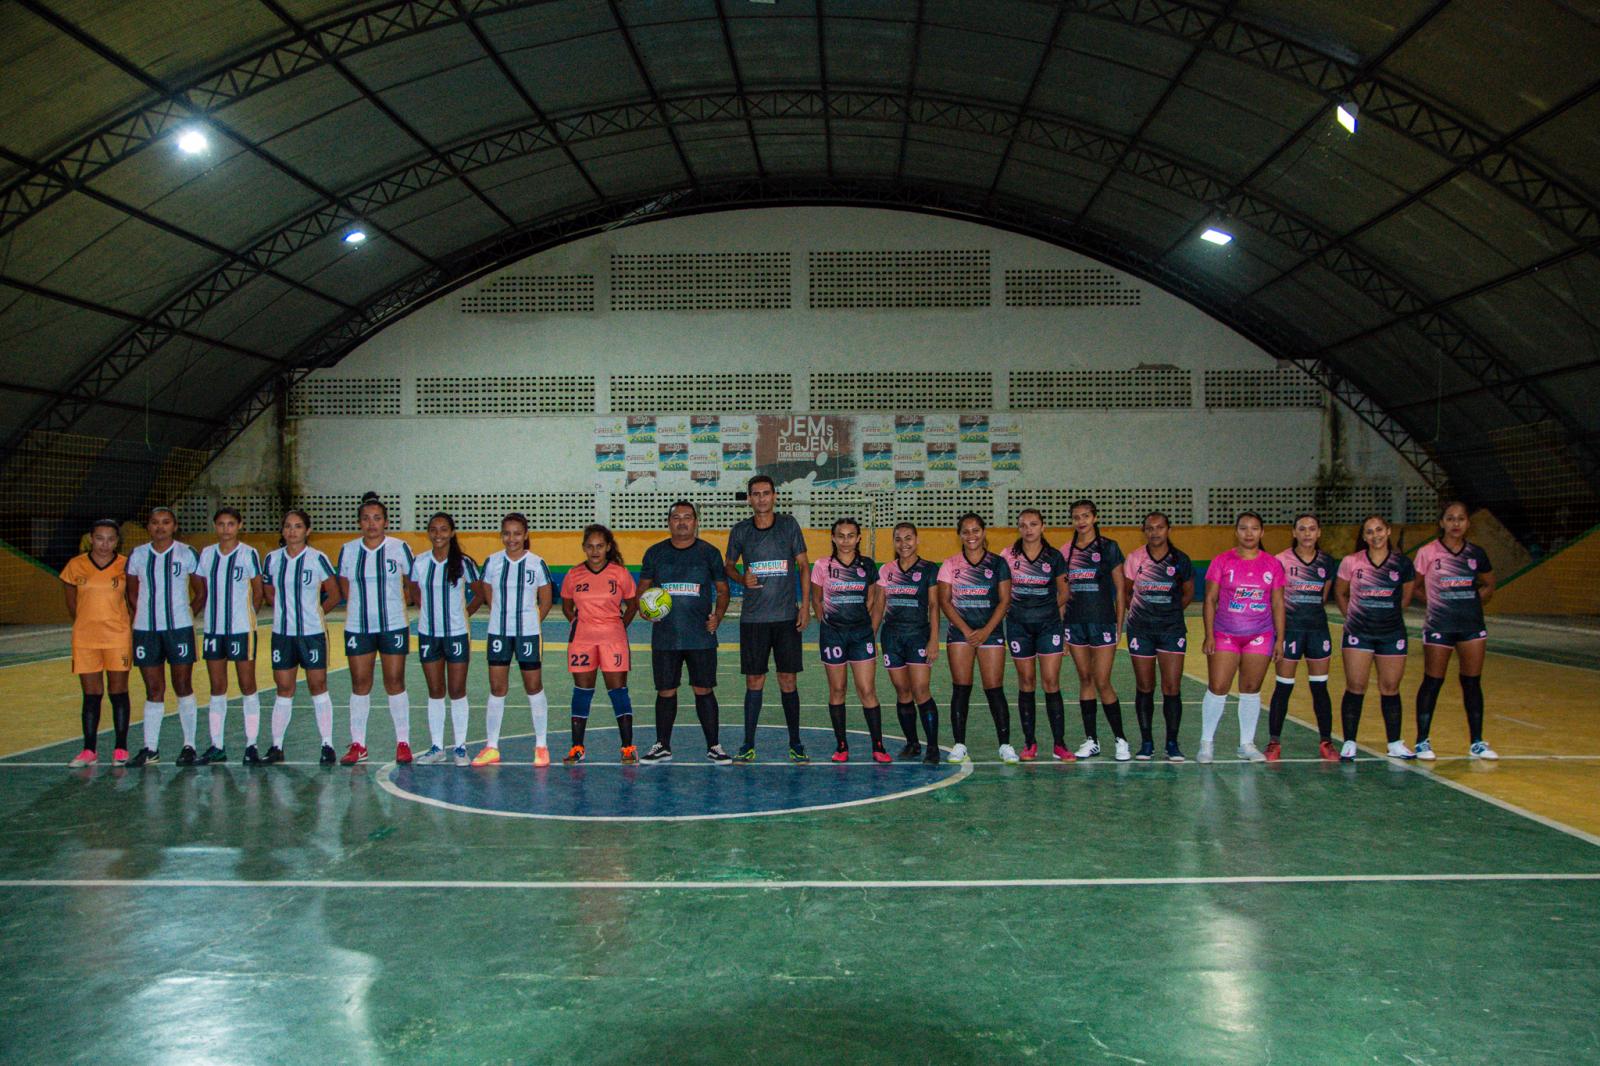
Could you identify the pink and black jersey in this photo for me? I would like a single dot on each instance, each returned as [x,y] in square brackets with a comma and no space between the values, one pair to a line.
[1244,592]
[905,596]
[1305,601]
[974,587]
[1156,602]
[1033,584]
[1375,594]
[1451,581]
[843,588]
[1092,580]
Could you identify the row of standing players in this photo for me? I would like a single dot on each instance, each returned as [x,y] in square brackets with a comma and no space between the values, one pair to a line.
[1032,600]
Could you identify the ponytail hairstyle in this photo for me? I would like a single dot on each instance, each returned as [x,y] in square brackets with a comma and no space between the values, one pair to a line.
[372,499]
[1361,531]
[1093,510]
[1294,542]
[613,553]
[453,565]
[1444,509]
[298,513]
[1043,540]
[833,549]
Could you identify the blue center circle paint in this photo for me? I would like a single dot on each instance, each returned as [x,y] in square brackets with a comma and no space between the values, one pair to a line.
[689,788]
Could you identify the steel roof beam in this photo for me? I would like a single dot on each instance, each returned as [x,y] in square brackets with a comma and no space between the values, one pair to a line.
[652,92]
[739,86]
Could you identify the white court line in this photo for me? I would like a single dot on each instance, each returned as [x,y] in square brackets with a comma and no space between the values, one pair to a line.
[825,764]
[788,885]
[1519,721]
[43,631]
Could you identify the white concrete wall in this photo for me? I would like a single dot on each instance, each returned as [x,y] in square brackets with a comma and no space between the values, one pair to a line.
[407,454]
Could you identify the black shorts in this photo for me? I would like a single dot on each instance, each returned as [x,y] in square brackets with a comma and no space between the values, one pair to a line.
[759,639]
[1148,643]
[1307,644]
[503,648]
[291,653]
[1028,640]
[389,642]
[997,638]
[153,647]
[450,649]
[841,646]
[667,665]
[902,649]
[235,649]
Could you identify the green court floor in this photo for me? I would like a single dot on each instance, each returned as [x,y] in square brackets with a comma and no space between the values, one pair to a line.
[1301,912]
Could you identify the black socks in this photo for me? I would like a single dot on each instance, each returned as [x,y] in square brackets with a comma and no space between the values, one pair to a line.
[1427,700]
[1144,709]
[666,715]
[122,711]
[907,714]
[1350,711]
[791,715]
[752,715]
[836,719]
[960,697]
[1278,711]
[1055,709]
[1322,705]
[1028,716]
[91,721]
[1090,728]
[1391,716]
[1471,696]
[1000,711]
[929,713]
[1172,711]
[1114,719]
[706,709]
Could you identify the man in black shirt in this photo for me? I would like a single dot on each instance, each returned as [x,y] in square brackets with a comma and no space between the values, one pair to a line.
[692,572]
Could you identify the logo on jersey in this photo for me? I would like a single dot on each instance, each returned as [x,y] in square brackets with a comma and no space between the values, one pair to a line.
[236,572]
[1394,575]
[308,579]
[1322,571]
[1266,578]
[988,573]
[1171,570]
[392,566]
[175,568]
[1047,568]
[1472,564]
[917,576]
[769,567]
[1095,556]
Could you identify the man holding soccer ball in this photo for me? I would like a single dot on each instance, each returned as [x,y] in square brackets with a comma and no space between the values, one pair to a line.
[683,590]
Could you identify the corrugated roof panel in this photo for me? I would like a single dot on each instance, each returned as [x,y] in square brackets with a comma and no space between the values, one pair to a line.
[52,89]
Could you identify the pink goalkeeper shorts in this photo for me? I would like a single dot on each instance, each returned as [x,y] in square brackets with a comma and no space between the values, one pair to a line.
[1260,644]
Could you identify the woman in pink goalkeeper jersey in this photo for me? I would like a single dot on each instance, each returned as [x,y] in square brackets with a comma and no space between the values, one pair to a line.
[1457,579]
[1244,633]
[1373,591]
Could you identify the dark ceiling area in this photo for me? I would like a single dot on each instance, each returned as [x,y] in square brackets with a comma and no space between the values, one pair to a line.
[1436,268]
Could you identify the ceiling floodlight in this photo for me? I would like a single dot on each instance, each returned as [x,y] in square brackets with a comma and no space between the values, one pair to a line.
[355,236]
[1216,236]
[1346,114]
[192,142]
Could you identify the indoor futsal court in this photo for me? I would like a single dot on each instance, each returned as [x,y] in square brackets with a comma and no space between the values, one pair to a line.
[787,531]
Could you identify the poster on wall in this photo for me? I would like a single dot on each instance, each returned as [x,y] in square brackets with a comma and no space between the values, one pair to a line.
[870,452]
[815,448]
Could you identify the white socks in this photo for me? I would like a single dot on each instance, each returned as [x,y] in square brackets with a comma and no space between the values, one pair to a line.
[400,712]
[540,706]
[360,707]
[323,706]
[152,724]
[460,714]
[1249,715]
[1211,715]
[435,721]
[282,711]
[188,717]
[494,712]
[252,717]
[217,719]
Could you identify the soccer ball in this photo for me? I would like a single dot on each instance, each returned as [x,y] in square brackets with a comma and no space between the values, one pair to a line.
[655,605]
